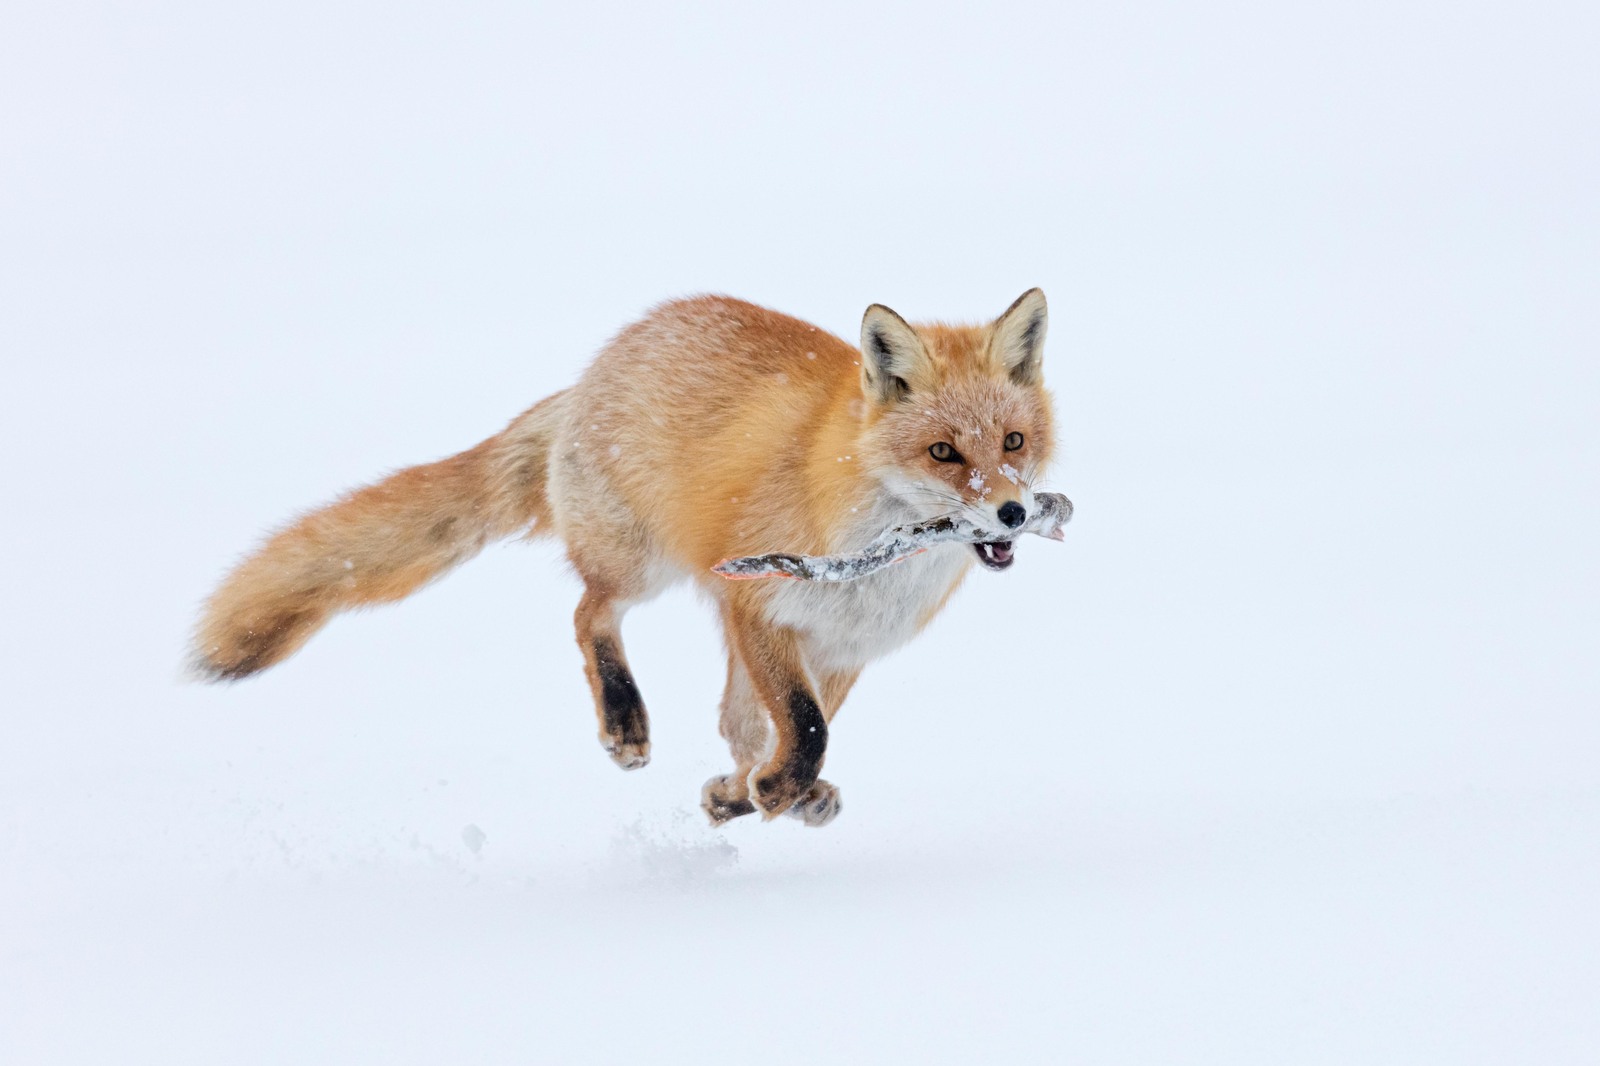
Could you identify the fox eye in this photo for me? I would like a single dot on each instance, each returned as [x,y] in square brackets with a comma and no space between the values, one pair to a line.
[944,453]
[1013,441]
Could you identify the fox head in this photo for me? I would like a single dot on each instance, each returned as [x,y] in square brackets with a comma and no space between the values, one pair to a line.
[957,417]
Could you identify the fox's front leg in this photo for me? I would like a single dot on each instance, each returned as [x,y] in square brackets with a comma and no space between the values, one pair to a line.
[747,727]
[802,742]
[797,737]
[743,724]
[821,803]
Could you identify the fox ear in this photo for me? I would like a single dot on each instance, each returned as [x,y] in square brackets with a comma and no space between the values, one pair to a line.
[892,355]
[1019,338]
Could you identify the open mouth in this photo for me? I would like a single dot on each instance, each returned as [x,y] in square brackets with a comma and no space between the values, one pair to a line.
[995,554]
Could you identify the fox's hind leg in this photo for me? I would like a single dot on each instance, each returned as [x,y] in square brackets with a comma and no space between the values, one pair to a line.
[624,725]
[618,570]
[620,567]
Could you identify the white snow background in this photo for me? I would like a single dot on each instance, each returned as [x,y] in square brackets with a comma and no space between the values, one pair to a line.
[1287,755]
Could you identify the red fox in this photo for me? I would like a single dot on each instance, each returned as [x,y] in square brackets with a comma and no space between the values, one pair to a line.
[711,428]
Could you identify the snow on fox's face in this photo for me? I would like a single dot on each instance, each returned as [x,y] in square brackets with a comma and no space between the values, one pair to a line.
[959,420]
[977,446]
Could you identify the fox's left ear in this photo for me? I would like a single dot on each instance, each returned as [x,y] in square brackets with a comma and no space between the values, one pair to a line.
[1019,338]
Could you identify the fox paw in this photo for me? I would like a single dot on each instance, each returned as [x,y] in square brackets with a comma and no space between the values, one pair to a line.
[724,799]
[628,755]
[775,791]
[819,806]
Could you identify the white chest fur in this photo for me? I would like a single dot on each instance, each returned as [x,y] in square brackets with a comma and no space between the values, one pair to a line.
[847,624]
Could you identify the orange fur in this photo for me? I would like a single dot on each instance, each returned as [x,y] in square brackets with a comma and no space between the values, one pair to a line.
[712,428]
[376,545]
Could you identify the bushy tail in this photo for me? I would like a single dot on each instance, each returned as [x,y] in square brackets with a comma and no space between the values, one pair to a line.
[377,544]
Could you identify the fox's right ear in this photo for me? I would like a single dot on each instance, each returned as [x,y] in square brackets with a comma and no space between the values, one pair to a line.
[892,355]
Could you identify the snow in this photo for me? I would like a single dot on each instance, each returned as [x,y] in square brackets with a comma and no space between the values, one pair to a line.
[1286,754]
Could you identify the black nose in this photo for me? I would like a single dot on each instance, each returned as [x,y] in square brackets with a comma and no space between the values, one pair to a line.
[1013,514]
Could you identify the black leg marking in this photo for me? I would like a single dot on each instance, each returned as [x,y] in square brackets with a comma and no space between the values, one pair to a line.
[811,733]
[619,697]
[810,744]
